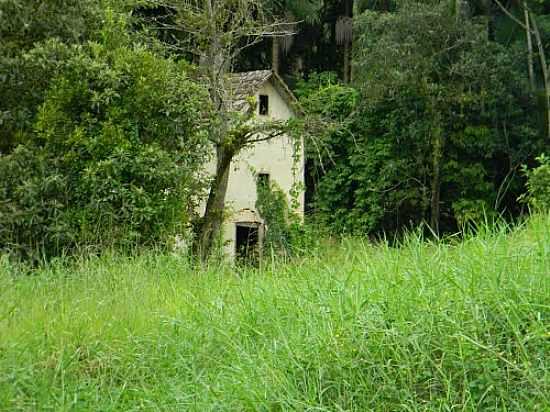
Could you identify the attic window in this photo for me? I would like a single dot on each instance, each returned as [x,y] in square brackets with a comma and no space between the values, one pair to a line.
[264,105]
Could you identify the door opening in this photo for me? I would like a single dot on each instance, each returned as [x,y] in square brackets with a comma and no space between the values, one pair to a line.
[247,247]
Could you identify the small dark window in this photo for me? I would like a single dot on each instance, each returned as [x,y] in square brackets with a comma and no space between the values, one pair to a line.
[264,104]
[263,179]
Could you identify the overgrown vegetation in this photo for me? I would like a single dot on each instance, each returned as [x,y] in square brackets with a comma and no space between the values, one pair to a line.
[438,133]
[114,154]
[31,54]
[110,110]
[426,326]
[285,234]
[538,184]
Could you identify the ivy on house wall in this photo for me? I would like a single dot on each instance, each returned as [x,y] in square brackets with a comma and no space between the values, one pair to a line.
[282,226]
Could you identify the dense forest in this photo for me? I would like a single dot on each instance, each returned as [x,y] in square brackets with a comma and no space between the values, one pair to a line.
[416,113]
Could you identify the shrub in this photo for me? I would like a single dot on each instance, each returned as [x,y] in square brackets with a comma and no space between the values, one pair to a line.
[538,184]
[113,158]
[34,40]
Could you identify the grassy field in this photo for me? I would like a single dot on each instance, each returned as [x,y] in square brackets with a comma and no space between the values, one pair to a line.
[456,326]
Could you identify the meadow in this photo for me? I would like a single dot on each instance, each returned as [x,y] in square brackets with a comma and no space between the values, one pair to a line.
[457,325]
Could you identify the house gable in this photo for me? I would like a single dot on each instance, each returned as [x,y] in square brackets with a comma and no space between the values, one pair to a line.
[261,82]
[278,107]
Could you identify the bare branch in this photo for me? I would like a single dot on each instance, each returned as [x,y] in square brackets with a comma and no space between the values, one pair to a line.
[265,138]
[507,12]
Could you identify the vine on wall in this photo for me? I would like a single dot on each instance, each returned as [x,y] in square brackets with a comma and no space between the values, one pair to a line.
[282,225]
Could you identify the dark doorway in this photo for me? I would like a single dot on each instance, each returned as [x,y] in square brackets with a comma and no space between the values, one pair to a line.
[247,248]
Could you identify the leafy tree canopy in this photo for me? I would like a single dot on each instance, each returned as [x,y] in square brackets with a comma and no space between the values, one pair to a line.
[113,155]
[444,119]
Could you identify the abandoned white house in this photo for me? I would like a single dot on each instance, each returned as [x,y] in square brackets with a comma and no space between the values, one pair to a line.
[273,160]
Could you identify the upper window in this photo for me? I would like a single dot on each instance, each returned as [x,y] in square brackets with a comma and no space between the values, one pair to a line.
[264,105]
[263,179]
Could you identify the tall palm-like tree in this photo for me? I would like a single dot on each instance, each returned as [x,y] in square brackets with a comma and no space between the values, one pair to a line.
[344,26]
[292,12]
[530,25]
[344,36]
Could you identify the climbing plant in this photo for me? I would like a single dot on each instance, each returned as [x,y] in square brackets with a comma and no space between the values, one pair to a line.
[283,227]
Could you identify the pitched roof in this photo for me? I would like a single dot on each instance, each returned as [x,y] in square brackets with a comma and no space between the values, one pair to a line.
[246,84]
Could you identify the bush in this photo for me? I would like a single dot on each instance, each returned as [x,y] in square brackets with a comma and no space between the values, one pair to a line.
[538,184]
[113,156]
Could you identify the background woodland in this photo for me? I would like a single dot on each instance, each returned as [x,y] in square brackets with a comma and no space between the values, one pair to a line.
[417,113]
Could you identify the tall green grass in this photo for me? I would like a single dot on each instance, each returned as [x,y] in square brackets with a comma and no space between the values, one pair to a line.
[454,326]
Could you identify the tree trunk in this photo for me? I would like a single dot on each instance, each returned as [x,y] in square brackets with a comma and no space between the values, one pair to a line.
[348,44]
[347,62]
[491,29]
[542,57]
[461,9]
[275,54]
[437,155]
[213,215]
[343,32]
[529,48]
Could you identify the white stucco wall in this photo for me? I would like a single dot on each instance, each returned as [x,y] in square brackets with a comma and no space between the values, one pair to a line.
[274,157]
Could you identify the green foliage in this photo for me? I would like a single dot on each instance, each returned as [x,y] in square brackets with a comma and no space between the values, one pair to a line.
[353,327]
[25,22]
[301,10]
[23,83]
[424,81]
[33,47]
[284,234]
[538,184]
[113,157]
[36,39]
[323,94]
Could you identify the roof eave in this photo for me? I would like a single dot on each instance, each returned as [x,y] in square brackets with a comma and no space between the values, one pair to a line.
[287,93]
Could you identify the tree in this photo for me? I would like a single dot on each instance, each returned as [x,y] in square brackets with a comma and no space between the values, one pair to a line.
[26,22]
[112,157]
[422,61]
[531,28]
[344,27]
[291,10]
[344,35]
[217,32]
[27,29]
[442,125]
